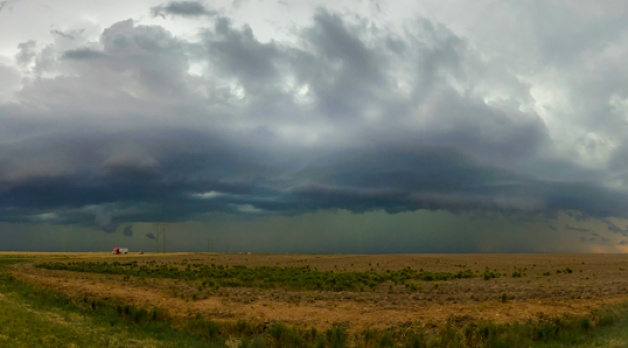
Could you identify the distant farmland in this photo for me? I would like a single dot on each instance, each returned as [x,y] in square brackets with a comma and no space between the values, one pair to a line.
[345,300]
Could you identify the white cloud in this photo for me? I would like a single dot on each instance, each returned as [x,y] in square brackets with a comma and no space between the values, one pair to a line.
[247,209]
[207,195]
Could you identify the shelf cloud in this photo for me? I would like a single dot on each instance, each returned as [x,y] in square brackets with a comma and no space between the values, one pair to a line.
[359,111]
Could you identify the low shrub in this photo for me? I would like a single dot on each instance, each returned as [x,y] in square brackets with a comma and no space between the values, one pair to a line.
[291,278]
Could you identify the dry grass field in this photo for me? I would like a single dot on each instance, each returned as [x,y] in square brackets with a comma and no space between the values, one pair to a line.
[526,287]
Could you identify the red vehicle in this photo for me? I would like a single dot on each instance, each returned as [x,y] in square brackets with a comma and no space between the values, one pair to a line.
[117,251]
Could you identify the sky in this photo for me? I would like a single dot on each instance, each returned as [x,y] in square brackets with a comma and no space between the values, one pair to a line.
[357,126]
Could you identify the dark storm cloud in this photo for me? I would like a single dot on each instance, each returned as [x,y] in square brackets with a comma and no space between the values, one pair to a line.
[614,228]
[128,231]
[26,52]
[341,90]
[618,163]
[577,229]
[413,177]
[240,54]
[182,8]
[576,215]
[67,35]
[83,53]
[594,237]
[349,116]
[6,5]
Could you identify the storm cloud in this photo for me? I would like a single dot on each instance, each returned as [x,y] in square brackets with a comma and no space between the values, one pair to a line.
[182,8]
[128,231]
[343,112]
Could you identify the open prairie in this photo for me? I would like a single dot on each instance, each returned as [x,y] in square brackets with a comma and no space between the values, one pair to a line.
[500,288]
[353,292]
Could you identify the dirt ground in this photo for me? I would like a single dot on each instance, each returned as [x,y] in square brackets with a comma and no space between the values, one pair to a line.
[546,289]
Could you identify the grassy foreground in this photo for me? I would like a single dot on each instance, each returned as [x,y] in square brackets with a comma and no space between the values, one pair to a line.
[36,317]
[31,317]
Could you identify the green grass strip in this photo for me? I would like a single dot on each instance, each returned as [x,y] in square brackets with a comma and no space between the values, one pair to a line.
[291,278]
[34,317]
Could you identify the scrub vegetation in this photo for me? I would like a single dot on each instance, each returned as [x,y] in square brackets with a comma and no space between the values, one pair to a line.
[266,277]
[247,301]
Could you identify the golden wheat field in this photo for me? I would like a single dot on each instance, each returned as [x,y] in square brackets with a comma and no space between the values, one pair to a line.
[525,287]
